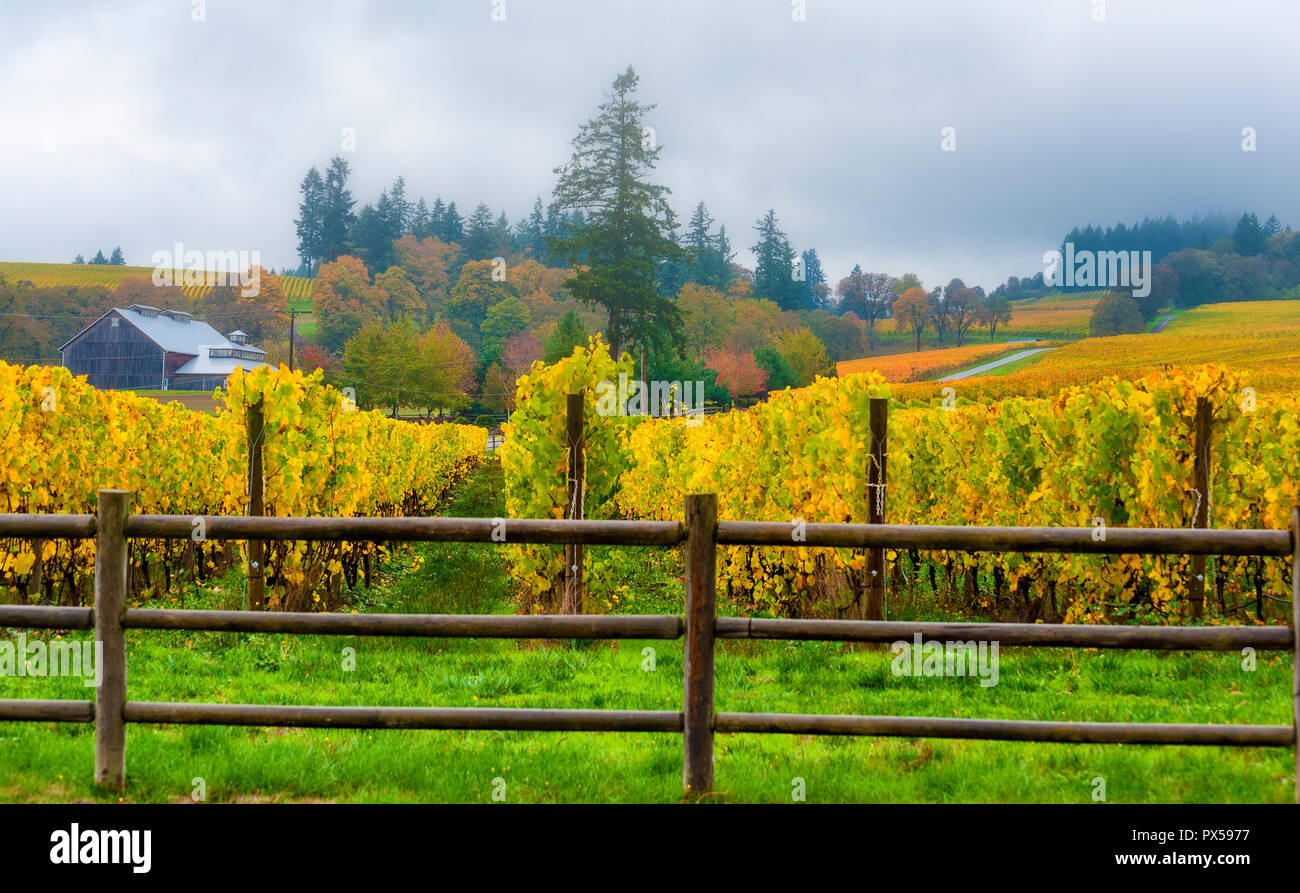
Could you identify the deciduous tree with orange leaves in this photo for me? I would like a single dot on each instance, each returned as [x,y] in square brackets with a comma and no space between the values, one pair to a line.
[344,301]
[738,372]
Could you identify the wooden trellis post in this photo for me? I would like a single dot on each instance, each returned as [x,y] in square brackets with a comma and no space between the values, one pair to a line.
[573,505]
[1295,636]
[874,593]
[256,548]
[1201,513]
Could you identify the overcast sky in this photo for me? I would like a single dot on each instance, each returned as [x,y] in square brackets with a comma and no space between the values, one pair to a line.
[132,123]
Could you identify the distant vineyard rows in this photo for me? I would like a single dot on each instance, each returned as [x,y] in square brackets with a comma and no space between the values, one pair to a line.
[296,288]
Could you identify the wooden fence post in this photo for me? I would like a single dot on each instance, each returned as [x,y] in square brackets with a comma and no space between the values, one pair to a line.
[1201,515]
[874,601]
[701,615]
[1295,633]
[256,548]
[574,508]
[110,605]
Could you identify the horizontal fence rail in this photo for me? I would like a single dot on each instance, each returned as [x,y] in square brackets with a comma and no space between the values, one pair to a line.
[67,527]
[1060,635]
[509,719]
[31,710]
[499,626]
[46,617]
[698,721]
[1117,540]
[460,530]
[1008,729]
[560,531]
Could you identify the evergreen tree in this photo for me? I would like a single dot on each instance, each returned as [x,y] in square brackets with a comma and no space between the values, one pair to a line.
[338,217]
[774,266]
[569,333]
[552,229]
[438,219]
[628,225]
[453,225]
[710,255]
[1249,237]
[779,373]
[378,226]
[503,235]
[367,236]
[532,234]
[116,259]
[816,293]
[311,219]
[480,235]
[699,231]
[99,258]
[420,221]
[397,213]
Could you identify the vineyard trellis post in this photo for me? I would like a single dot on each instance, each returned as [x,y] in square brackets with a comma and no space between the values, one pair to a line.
[573,503]
[1201,511]
[1295,636]
[256,506]
[873,607]
[111,568]
[697,662]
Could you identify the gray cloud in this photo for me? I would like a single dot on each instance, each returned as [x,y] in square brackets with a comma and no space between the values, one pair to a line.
[169,129]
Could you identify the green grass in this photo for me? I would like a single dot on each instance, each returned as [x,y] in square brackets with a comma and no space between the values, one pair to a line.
[52,762]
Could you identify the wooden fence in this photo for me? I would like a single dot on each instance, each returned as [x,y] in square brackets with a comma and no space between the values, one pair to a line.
[697,721]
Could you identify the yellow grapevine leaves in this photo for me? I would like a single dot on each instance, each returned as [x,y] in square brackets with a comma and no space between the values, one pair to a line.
[534,460]
[62,440]
[1117,453]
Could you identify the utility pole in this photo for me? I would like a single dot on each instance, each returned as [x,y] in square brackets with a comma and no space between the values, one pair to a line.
[293,314]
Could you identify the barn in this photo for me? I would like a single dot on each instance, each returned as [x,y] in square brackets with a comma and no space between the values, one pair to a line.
[144,348]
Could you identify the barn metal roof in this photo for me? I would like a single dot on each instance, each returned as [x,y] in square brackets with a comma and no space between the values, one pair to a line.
[203,364]
[192,336]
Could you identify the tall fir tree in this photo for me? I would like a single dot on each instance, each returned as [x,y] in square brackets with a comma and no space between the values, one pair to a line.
[532,234]
[480,235]
[774,269]
[453,225]
[816,293]
[420,220]
[438,219]
[310,224]
[1249,237]
[627,228]
[338,217]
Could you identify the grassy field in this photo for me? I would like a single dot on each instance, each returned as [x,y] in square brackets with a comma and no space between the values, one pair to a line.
[51,762]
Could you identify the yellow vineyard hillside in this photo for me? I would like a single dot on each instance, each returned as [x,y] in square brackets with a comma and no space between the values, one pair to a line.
[920,365]
[296,288]
[1061,316]
[1259,339]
